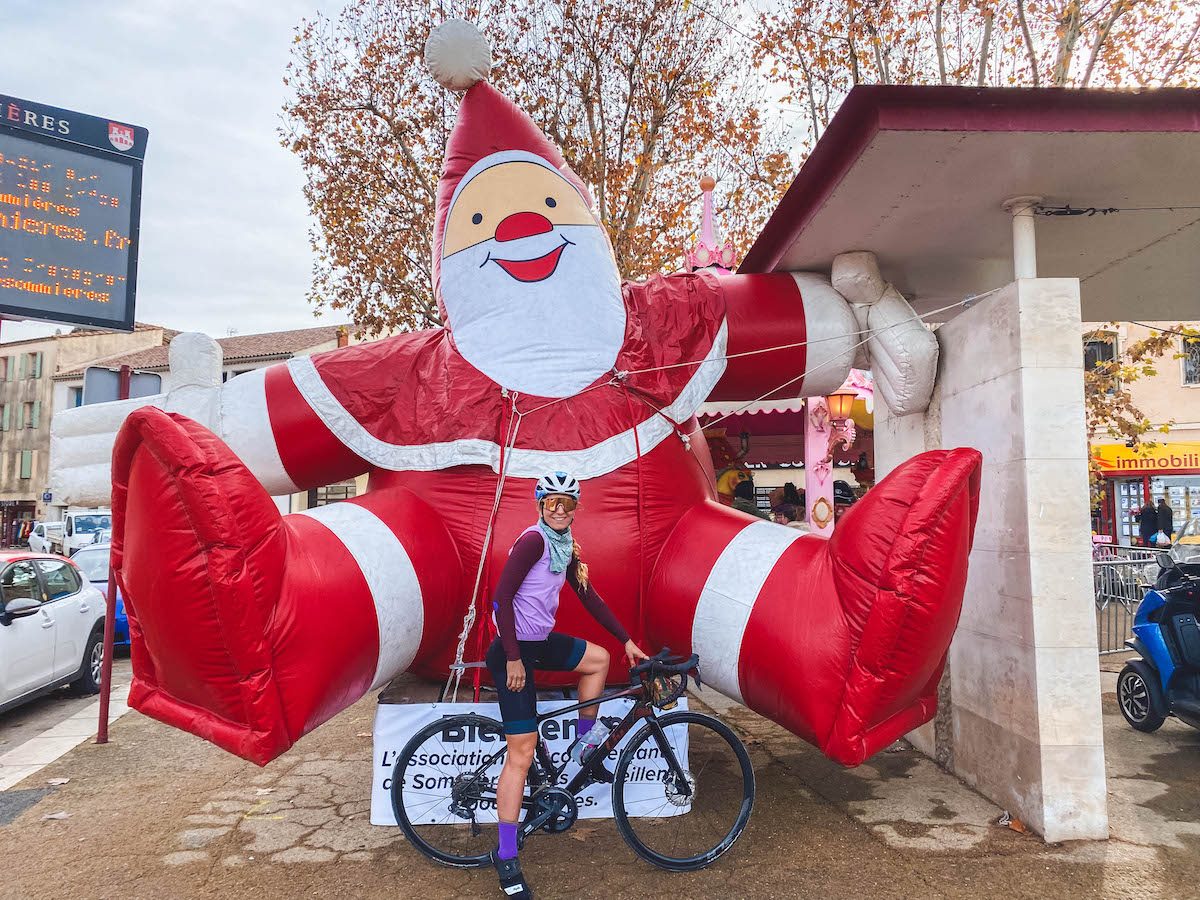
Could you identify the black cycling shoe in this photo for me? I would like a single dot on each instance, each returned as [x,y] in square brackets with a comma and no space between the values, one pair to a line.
[512,882]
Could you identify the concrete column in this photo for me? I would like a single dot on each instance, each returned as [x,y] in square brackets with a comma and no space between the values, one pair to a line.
[1022,723]
[1024,235]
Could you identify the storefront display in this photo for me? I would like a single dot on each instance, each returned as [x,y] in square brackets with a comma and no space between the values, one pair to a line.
[1170,469]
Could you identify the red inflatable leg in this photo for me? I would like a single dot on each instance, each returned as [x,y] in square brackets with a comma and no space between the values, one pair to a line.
[250,628]
[840,641]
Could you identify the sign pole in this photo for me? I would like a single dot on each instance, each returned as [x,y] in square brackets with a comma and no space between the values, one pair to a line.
[110,614]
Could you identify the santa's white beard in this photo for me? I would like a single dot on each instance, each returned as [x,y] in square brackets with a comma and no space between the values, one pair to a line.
[551,338]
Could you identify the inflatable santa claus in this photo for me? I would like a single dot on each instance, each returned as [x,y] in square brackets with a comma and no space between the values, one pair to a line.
[250,628]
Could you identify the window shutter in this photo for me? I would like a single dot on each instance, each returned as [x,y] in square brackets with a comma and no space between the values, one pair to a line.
[37,412]
[4,416]
[37,365]
[24,365]
[26,463]
[4,364]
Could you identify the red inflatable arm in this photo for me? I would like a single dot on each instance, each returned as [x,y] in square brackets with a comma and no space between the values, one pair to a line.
[803,316]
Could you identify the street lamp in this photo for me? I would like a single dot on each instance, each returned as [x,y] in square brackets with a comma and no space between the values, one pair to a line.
[842,432]
[840,406]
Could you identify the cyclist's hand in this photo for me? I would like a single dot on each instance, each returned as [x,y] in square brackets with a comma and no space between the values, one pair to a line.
[516,674]
[634,653]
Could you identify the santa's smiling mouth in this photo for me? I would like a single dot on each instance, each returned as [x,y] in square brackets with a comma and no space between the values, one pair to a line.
[530,270]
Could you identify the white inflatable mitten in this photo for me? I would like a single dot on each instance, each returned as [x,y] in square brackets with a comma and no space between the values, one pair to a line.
[457,55]
[901,352]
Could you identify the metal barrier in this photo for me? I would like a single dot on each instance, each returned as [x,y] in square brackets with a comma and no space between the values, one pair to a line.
[1120,578]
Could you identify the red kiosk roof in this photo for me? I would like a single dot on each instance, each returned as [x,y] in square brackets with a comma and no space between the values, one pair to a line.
[918,175]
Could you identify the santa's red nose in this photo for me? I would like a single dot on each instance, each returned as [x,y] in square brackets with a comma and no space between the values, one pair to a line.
[522,224]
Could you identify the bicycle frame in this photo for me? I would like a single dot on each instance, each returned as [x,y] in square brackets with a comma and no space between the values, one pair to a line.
[640,710]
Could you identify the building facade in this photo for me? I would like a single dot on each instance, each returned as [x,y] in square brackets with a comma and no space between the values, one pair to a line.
[27,370]
[1171,468]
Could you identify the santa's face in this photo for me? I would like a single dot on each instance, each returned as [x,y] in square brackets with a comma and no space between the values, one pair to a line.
[528,279]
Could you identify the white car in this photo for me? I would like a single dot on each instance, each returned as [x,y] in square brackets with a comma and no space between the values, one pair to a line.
[51,628]
[43,532]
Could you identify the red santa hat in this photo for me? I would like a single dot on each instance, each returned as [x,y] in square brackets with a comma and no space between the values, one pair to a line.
[459,58]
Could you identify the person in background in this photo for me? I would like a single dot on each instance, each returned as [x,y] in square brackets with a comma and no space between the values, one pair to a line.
[743,499]
[791,495]
[786,514]
[1166,518]
[1148,524]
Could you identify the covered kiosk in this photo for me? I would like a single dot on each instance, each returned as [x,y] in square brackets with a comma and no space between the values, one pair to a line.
[1048,207]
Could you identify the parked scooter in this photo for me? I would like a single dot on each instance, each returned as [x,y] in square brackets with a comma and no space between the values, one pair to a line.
[1166,680]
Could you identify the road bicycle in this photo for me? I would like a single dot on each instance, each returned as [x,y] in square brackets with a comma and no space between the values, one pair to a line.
[682,789]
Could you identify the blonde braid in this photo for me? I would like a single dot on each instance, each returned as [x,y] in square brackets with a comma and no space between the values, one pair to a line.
[581,568]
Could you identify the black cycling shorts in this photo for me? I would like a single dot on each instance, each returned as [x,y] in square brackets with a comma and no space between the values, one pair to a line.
[557,653]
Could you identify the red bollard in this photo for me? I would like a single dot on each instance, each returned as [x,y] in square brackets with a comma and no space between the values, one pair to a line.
[110,626]
[110,609]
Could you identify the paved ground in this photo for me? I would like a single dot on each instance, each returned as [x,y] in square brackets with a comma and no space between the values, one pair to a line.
[158,813]
[28,721]
[39,732]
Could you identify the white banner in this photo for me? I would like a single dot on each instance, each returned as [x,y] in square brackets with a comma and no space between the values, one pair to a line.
[460,750]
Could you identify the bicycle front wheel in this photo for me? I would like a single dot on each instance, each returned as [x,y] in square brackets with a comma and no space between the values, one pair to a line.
[444,789]
[683,791]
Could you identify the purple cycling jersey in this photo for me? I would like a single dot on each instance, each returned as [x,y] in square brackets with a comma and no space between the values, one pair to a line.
[527,595]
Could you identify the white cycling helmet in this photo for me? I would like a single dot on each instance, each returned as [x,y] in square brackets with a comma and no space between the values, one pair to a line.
[556,483]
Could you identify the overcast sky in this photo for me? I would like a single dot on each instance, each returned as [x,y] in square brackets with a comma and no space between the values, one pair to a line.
[223,234]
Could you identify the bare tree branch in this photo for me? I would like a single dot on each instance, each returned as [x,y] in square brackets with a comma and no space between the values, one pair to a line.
[1118,8]
[1029,48]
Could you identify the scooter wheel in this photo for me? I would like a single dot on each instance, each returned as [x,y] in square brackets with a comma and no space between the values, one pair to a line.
[1140,699]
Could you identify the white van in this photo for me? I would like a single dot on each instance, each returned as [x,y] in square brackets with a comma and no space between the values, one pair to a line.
[79,528]
[39,537]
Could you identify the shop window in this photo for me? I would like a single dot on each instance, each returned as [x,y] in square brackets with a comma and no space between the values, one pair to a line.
[1191,362]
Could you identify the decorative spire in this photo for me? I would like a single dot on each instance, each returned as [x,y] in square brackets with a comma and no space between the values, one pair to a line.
[707,253]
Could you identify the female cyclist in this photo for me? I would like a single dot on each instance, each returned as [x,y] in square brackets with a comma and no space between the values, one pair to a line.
[526,601]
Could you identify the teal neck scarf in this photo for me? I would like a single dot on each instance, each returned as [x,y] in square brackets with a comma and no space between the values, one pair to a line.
[562,547]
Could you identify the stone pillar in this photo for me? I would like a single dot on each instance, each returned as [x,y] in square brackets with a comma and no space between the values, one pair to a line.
[1023,723]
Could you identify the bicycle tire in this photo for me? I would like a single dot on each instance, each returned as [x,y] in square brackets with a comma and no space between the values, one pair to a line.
[629,832]
[411,831]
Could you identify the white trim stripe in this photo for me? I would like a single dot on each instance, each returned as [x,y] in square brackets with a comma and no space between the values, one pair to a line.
[728,597]
[391,578]
[590,462]
[244,419]
[831,332]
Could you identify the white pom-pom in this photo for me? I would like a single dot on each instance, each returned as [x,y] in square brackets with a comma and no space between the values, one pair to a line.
[458,55]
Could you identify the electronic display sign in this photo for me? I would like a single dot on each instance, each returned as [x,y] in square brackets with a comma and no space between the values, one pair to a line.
[70,203]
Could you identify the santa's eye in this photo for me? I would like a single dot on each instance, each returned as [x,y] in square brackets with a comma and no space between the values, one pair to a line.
[477,218]
[551,202]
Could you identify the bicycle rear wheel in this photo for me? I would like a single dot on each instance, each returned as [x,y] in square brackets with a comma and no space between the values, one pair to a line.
[683,824]
[443,795]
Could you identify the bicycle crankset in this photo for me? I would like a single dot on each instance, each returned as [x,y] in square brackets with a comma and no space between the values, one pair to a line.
[561,806]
